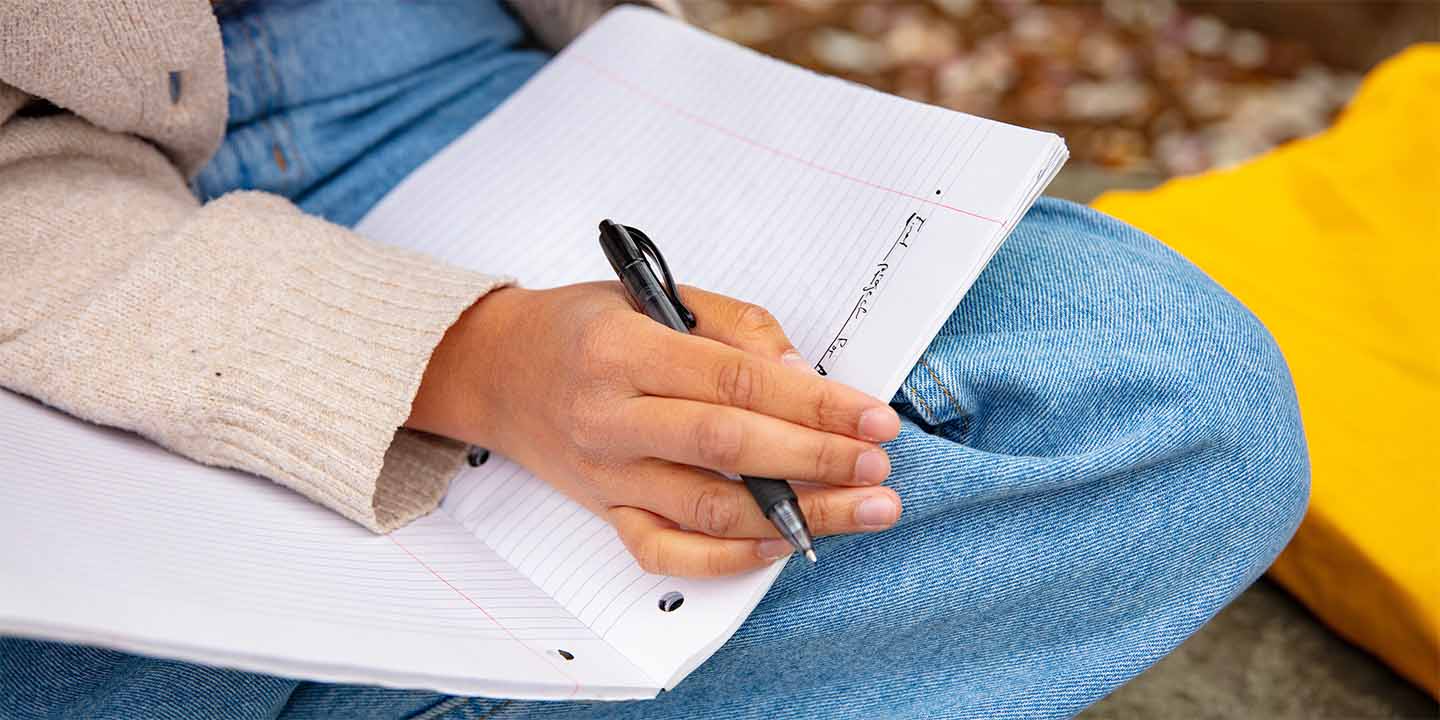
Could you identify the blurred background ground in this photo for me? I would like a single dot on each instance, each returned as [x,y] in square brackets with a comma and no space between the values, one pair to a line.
[1142,90]
[1148,88]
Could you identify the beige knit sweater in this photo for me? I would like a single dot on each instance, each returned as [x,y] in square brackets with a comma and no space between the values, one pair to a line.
[241,333]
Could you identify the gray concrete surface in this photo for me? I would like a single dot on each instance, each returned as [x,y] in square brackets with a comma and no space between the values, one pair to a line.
[1265,656]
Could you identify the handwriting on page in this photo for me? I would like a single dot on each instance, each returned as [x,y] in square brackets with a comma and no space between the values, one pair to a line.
[870,292]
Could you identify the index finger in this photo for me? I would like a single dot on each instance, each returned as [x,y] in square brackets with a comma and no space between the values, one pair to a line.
[740,324]
[695,368]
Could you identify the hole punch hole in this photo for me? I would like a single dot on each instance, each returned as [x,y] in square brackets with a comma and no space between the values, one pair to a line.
[671,601]
[565,654]
[477,456]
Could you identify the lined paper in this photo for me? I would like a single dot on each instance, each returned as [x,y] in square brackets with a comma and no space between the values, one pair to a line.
[109,539]
[857,218]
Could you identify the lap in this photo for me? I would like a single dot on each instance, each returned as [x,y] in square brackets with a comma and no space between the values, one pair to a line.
[1100,448]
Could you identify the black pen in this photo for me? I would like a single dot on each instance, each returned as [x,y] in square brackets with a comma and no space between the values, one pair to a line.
[627,249]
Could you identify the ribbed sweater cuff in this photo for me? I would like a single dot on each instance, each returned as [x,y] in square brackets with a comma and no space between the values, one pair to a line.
[315,392]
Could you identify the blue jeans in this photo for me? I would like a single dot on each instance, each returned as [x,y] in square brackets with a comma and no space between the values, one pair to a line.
[1099,449]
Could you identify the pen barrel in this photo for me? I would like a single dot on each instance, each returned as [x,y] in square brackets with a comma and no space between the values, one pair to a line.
[768,493]
[649,297]
[782,509]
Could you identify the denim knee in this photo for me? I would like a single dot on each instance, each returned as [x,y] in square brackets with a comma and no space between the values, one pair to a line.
[1259,440]
[1100,449]
[1089,352]
[1236,384]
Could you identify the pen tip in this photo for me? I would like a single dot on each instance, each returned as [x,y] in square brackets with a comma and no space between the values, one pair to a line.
[810,555]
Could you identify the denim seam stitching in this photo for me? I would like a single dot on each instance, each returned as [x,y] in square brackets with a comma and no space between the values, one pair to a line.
[964,416]
[495,710]
[931,417]
[943,389]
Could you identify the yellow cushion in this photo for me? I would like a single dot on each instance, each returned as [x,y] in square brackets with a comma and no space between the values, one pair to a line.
[1334,243]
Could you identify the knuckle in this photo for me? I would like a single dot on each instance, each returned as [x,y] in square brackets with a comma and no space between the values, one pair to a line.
[828,462]
[718,442]
[755,321]
[606,339]
[739,382]
[612,348]
[715,512]
[649,554]
[601,481]
[596,340]
[594,420]
[587,431]
[715,563]
[826,411]
[820,516]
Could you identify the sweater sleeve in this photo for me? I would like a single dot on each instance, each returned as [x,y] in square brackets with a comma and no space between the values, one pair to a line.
[242,333]
[557,22]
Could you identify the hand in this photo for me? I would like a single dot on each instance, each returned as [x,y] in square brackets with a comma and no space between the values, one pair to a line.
[623,415]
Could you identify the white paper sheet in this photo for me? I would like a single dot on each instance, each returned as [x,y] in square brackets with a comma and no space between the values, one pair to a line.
[857,218]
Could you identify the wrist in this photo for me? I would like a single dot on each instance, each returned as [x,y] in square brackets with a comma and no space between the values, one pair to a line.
[457,397]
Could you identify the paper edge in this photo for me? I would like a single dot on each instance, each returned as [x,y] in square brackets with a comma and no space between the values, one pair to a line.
[271,665]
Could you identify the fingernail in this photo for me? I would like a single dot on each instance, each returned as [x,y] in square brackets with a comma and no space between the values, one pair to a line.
[879,424]
[876,512]
[796,360]
[871,467]
[772,549]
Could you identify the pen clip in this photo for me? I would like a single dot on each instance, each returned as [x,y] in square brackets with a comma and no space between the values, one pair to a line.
[647,247]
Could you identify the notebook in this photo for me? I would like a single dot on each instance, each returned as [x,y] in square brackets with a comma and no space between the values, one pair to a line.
[859,219]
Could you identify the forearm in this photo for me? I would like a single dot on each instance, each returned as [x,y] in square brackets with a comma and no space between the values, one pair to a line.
[242,334]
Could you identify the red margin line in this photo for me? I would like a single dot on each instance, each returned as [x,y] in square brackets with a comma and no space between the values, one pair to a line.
[576,683]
